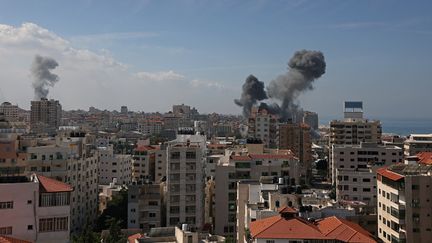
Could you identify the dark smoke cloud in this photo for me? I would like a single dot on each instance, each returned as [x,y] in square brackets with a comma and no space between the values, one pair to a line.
[252,92]
[42,76]
[303,69]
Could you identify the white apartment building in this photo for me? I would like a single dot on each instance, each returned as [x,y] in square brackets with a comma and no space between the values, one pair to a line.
[112,166]
[185,180]
[353,129]
[45,116]
[263,125]
[354,169]
[73,161]
[35,209]
[9,111]
[404,203]
[145,203]
[234,168]
[150,126]
[416,143]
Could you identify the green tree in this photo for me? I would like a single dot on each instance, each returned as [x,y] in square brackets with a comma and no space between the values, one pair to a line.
[115,235]
[116,209]
[87,235]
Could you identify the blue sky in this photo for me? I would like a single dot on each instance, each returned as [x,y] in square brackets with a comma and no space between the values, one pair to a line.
[376,51]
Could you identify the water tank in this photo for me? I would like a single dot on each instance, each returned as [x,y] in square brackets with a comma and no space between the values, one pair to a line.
[184,227]
[281,181]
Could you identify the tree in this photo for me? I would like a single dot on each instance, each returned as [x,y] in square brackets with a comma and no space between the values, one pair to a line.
[116,209]
[87,235]
[115,235]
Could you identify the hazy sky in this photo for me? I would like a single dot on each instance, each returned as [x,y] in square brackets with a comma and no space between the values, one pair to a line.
[149,55]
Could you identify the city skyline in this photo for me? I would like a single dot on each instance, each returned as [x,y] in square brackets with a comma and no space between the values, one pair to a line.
[200,52]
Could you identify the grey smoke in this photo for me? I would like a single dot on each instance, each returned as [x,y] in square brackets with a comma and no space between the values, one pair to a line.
[252,92]
[42,76]
[303,69]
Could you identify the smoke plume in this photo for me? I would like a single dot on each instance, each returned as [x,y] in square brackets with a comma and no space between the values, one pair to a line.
[42,76]
[253,91]
[303,69]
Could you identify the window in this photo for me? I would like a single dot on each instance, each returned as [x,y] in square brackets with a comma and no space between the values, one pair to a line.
[190,155]
[153,203]
[6,230]
[29,227]
[53,224]
[152,215]
[29,201]
[6,205]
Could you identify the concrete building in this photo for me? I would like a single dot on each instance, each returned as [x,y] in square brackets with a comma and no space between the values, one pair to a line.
[353,129]
[263,125]
[289,227]
[251,164]
[112,166]
[185,180]
[354,169]
[72,160]
[311,119]
[182,110]
[297,138]
[145,202]
[45,116]
[106,194]
[149,163]
[150,126]
[416,143]
[124,110]
[10,112]
[404,203]
[35,208]
[174,234]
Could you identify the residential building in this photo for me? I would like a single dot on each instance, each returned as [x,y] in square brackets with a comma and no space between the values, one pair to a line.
[297,138]
[263,125]
[124,110]
[149,163]
[311,119]
[353,129]
[10,112]
[150,126]
[35,208]
[174,234]
[416,143]
[289,227]
[45,116]
[145,202]
[112,166]
[251,163]
[354,169]
[106,194]
[404,203]
[185,180]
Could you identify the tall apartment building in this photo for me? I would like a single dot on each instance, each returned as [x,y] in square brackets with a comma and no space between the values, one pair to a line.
[45,116]
[353,129]
[354,169]
[149,163]
[145,203]
[297,138]
[112,166]
[233,168]
[404,203]
[35,208]
[311,119]
[185,180]
[150,126]
[416,143]
[73,161]
[9,111]
[263,125]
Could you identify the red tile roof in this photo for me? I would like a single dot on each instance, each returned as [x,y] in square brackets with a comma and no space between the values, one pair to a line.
[287,209]
[389,174]
[344,230]
[8,239]
[51,185]
[331,228]
[425,158]
[132,238]
[143,148]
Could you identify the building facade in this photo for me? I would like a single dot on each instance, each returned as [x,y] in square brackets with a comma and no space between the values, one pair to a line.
[45,116]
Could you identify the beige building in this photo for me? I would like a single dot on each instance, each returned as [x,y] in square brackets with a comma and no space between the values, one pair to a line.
[404,203]
[251,163]
[35,209]
[262,125]
[149,163]
[45,116]
[145,202]
[354,169]
[416,143]
[10,112]
[185,181]
[353,129]
[112,166]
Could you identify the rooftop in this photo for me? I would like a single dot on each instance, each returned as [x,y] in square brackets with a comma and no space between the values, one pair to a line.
[52,185]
